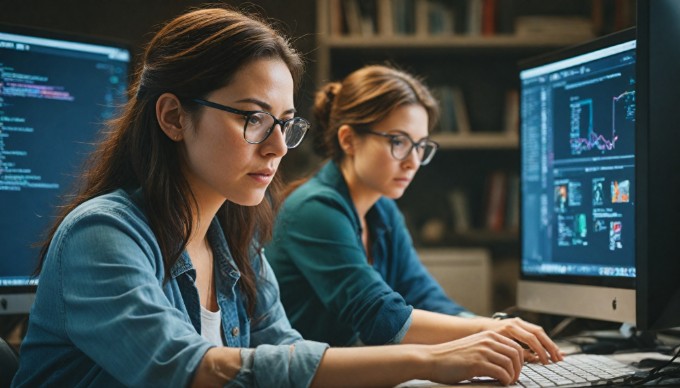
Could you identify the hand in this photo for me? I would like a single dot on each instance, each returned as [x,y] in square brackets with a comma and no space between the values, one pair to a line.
[483,354]
[533,336]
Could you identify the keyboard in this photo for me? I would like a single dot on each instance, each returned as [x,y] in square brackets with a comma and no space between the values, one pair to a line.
[576,370]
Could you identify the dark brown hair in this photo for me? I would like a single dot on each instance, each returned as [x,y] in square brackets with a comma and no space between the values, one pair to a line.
[191,56]
[364,98]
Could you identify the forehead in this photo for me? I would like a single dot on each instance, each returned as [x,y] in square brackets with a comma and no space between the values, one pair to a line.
[411,119]
[268,80]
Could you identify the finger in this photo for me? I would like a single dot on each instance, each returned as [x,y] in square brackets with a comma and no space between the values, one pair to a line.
[530,340]
[553,349]
[510,349]
[506,357]
[530,356]
[546,342]
[498,373]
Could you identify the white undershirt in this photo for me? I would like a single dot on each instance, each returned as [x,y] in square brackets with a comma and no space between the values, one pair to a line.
[211,326]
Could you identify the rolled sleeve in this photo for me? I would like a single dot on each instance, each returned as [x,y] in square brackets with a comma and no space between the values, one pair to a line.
[280,365]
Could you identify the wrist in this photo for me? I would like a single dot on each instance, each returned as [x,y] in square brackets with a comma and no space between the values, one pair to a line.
[424,359]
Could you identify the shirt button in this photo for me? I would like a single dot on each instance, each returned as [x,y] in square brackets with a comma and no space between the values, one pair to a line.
[235,331]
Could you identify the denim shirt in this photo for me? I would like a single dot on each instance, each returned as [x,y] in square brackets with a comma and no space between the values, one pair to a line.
[103,315]
[329,289]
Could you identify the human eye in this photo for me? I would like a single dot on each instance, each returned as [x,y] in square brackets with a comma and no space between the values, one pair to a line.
[255,119]
[398,140]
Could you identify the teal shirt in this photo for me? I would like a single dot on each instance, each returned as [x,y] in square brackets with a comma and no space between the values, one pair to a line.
[329,290]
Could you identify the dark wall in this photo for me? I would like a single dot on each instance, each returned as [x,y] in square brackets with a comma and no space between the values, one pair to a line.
[134,21]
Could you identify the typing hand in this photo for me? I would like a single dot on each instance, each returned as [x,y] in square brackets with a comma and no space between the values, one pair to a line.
[483,354]
[541,347]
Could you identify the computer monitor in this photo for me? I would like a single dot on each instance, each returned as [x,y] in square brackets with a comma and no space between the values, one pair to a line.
[599,159]
[55,92]
[578,180]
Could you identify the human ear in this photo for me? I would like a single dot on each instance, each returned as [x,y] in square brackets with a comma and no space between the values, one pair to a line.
[169,114]
[346,139]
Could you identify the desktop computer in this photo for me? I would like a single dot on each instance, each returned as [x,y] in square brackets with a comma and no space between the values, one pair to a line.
[578,187]
[599,155]
[599,183]
[56,91]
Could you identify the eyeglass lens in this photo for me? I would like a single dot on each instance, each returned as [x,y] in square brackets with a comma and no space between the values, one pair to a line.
[402,147]
[259,125]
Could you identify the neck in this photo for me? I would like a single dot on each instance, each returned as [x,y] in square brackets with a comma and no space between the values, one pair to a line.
[363,197]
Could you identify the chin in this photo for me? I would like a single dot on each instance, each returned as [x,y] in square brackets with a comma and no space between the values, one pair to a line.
[251,200]
[395,194]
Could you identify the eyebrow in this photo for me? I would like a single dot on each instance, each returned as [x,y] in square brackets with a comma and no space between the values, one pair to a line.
[264,106]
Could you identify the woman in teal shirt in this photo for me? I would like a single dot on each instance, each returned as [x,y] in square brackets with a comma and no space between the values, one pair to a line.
[348,270]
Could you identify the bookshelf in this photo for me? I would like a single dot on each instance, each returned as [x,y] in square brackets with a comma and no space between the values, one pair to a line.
[467,52]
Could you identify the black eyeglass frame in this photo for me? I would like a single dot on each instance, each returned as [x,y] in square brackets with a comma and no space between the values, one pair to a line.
[414,144]
[248,113]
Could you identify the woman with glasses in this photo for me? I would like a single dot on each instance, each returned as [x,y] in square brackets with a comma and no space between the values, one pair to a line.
[154,273]
[348,271]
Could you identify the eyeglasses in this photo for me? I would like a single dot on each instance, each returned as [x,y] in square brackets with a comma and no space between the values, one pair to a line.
[259,124]
[402,145]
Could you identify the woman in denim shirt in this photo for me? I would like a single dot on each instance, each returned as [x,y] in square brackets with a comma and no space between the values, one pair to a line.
[154,273]
[341,251]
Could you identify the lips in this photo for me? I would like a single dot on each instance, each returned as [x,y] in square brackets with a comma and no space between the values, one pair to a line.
[264,175]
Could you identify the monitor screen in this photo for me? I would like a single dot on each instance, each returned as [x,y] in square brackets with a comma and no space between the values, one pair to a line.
[55,93]
[578,188]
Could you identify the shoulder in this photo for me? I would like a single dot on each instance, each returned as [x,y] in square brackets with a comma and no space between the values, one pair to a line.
[313,196]
[117,204]
[102,217]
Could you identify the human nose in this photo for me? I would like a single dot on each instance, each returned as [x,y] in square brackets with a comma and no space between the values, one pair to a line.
[275,144]
[413,158]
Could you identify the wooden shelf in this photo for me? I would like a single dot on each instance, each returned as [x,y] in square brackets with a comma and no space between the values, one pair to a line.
[451,41]
[477,141]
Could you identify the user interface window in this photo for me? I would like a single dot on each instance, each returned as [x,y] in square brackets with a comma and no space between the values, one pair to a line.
[578,165]
[54,96]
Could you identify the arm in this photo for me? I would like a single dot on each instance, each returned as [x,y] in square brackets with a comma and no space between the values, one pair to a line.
[483,354]
[431,328]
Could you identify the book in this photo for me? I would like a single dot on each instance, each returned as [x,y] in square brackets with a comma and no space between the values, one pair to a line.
[385,18]
[474,17]
[335,17]
[496,201]
[460,111]
[352,16]
[441,18]
[489,17]
[460,210]
[512,206]
[511,115]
